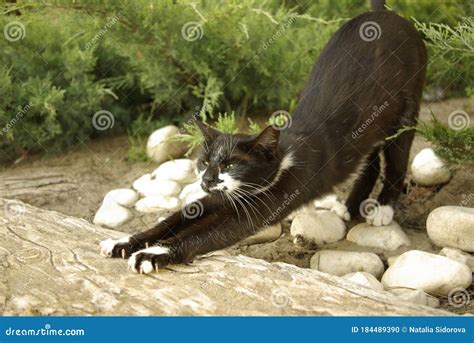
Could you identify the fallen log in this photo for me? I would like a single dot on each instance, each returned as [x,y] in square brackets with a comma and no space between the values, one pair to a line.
[36,186]
[49,265]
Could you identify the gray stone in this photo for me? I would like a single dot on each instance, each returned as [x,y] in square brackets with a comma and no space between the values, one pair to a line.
[428,169]
[345,262]
[365,279]
[318,226]
[162,146]
[434,274]
[389,237]
[452,226]
[265,235]
[416,296]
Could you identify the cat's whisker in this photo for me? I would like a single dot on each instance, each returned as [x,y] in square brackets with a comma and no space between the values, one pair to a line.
[251,197]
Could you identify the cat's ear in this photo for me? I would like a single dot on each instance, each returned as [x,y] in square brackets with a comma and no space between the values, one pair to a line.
[208,132]
[268,139]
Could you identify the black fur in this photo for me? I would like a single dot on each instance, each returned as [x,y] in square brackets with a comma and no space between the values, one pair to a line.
[350,78]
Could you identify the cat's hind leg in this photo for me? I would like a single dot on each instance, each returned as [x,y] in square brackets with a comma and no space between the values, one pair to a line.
[396,152]
[364,183]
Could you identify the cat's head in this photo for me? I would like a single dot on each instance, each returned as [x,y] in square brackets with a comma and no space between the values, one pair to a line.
[238,163]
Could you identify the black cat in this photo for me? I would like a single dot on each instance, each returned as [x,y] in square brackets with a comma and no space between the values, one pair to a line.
[365,85]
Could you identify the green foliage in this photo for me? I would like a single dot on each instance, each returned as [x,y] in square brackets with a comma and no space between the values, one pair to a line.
[453,145]
[254,128]
[166,61]
[226,123]
[451,49]
[138,134]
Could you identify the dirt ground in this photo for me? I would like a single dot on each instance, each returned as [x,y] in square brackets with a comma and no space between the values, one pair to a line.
[100,166]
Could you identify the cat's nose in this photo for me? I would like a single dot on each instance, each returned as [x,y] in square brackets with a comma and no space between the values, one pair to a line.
[207,182]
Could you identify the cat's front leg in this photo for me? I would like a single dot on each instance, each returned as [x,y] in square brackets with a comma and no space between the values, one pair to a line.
[170,227]
[123,247]
[214,233]
[153,258]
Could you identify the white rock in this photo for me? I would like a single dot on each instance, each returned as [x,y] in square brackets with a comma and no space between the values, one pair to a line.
[112,215]
[389,237]
[416,296]
[452,226]
[140,183]
[458,255]
[267,234]
[392,259]
[123,196]
[161,146]
[191,193]
[159,187]
[365,279]
[345,262]
[302,209]
[434,274]
[181,170]
[318,226]
[157,203]
[428,169]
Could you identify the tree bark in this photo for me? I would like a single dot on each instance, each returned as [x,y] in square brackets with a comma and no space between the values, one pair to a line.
[49,265]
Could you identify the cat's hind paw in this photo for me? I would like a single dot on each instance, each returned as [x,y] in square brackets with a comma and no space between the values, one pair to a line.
[116,247]
[382,215]
[146,260]
[330,202]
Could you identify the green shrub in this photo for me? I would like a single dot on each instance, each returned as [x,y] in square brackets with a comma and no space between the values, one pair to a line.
[453,142]
[161,60]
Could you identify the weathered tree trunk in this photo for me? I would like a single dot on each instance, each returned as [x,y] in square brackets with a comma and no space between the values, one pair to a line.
[35,186]
[49,265]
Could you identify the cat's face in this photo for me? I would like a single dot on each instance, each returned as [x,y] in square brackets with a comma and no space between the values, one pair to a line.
[240,164]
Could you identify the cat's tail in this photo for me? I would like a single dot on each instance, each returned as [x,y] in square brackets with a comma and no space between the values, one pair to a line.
[377,5]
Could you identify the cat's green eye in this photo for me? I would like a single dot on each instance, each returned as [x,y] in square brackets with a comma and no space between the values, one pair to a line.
[230,165]
[206,163]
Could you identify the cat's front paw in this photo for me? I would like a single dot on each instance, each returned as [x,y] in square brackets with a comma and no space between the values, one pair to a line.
[146,260]
[117,247]
[330,202]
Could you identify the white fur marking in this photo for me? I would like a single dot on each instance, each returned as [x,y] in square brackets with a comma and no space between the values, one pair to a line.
[107,246]
[286,163]
[382,216]
[145,267]
[330,202]
[228,183]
